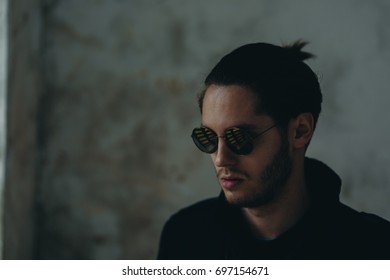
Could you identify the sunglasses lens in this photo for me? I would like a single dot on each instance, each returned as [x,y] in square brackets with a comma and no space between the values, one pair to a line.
[238,141]
[205,139]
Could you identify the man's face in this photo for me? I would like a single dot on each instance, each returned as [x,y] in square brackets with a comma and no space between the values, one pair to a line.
[257,178]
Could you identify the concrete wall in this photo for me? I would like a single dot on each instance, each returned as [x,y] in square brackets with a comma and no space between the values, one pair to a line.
[119,106]
[3,89]
[24,88]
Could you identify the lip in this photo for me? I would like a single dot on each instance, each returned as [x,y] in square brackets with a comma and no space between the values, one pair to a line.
[230,183]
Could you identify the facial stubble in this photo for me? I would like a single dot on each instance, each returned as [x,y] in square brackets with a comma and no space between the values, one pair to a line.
[273,180]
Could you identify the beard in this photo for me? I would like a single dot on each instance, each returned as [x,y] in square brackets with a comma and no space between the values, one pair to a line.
[273,180]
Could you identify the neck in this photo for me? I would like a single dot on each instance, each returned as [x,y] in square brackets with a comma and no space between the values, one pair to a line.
[271,220]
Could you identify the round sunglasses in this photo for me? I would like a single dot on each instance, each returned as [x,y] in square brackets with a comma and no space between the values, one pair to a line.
[239,140]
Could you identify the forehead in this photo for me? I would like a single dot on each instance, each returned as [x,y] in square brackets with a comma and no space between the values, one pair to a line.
[227,106]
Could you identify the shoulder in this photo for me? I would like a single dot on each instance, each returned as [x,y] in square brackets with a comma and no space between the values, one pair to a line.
[366,222]
[340,232]
[201,211]
[375,227]
[366,234]
[192,233]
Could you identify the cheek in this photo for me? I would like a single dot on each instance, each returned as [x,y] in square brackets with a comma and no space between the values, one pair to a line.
[252,167]
[213,156]
[256,163]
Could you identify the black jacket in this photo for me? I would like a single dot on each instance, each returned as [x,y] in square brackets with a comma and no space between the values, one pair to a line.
[212,229]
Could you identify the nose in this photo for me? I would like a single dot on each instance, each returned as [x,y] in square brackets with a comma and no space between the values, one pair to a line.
[224,157]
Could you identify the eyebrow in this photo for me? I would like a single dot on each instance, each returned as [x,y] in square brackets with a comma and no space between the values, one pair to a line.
[247,126]
[241,126]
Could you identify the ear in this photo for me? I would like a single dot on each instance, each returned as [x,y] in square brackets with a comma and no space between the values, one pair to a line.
[302,128]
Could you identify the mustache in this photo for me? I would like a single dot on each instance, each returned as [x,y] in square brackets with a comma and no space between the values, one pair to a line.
[233,172]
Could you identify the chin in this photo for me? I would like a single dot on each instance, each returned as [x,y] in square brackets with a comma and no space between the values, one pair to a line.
[247,204]
[247,201]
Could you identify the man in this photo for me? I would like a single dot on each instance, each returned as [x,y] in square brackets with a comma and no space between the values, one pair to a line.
[259,110]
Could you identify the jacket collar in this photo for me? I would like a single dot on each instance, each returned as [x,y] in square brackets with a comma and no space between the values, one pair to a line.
[323,183]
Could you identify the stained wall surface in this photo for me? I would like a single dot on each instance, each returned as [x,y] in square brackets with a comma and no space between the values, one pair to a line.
[3,88]
[120,103]
[24,87]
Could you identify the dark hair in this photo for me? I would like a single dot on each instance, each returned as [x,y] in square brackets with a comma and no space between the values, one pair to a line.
[284,84]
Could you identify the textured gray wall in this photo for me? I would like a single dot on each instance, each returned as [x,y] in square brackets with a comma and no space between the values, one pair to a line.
[119,106]
[23,92]
[3,89]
